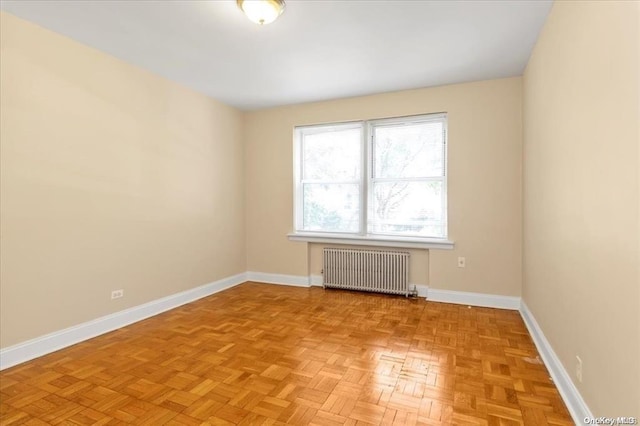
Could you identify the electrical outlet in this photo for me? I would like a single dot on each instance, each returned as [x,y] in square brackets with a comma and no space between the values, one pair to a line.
[117,294]
[462,262]
[579,369]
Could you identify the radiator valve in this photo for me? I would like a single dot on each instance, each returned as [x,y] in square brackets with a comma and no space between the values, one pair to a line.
[413,292]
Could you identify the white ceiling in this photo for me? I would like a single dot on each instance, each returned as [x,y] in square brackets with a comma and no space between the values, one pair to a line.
[317,50]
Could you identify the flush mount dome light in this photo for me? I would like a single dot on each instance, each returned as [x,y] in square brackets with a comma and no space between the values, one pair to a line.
[261,11]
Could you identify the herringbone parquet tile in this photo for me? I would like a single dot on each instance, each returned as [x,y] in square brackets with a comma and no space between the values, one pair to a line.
[264,354]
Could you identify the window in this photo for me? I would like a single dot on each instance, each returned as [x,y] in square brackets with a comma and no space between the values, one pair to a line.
[373,179]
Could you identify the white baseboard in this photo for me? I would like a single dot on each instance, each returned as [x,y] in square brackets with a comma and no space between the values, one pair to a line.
[570,394]
[25,351]
[474,299]
[281,279]
[434,295]
[316,280]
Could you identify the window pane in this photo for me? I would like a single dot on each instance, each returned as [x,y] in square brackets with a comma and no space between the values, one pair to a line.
[414,150]
[331,207]
[408,208]
[332,155]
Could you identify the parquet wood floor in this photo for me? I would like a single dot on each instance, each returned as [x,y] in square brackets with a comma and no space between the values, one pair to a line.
[265,354]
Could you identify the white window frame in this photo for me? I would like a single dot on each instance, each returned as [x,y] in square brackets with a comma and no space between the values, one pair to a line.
[363,236]
[299,173]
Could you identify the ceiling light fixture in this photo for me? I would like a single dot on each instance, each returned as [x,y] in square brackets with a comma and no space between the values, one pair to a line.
[261,11]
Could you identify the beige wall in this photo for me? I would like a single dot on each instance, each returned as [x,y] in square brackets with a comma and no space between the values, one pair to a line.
[581,197]
[112,178]
[485,150]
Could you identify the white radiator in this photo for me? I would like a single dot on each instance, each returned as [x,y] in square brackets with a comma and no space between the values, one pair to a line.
[366,270]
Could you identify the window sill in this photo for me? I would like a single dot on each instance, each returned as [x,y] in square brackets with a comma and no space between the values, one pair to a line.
[376,241]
